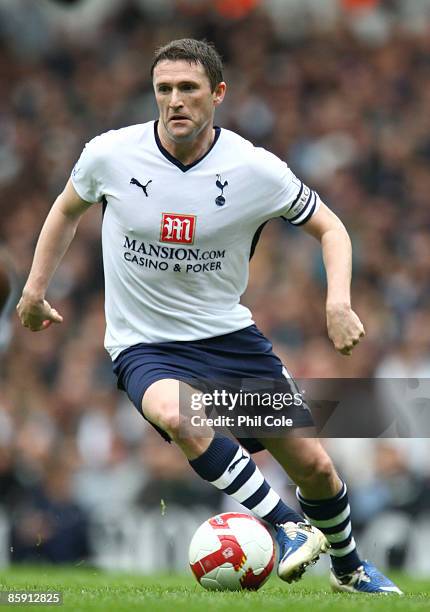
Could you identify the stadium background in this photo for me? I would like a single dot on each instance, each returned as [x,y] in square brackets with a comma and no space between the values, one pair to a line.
[339,89]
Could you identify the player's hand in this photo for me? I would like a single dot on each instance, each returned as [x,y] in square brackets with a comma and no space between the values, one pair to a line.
[37,314]
[344,327]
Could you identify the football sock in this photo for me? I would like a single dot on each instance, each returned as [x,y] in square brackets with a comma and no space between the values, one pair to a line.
[230,468]
[332,517]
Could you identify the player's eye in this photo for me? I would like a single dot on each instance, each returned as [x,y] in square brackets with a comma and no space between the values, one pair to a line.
[188,87]
[163,89]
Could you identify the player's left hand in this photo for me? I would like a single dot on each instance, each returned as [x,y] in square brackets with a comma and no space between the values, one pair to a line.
[344,327]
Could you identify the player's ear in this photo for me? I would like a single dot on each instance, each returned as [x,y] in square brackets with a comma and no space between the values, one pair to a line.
[219,93]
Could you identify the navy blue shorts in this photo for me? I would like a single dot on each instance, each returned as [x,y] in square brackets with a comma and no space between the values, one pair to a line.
[245,354]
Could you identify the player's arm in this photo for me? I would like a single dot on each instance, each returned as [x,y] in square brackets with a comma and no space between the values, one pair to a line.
[344,327]
[54,240]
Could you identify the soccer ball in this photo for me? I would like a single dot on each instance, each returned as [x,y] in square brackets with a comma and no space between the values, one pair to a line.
[231,552]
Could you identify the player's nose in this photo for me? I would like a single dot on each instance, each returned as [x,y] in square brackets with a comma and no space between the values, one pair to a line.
[176,99]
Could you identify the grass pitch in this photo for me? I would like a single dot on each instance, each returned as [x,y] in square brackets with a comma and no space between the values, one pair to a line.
[90,589]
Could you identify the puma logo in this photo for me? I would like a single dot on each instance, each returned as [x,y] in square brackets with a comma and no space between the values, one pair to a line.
[233,465]
[144,187]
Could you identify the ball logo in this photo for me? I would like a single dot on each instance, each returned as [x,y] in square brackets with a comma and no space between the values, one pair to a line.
[177,229]
[227,553]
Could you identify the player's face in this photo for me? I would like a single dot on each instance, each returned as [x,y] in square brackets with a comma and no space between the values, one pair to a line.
[185,100]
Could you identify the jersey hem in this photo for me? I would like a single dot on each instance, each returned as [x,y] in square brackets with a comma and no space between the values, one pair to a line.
[115,352]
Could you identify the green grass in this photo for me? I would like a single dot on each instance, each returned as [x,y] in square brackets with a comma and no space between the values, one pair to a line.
[91,589]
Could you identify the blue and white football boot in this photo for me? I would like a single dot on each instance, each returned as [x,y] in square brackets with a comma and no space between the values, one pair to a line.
[365,579]
[300,545]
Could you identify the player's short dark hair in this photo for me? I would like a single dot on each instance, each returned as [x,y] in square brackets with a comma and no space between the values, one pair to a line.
[194,52]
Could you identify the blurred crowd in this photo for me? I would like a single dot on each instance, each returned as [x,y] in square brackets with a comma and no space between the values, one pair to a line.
[338,89]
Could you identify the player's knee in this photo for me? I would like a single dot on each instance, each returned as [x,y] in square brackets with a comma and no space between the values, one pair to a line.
[324,467]
[319,469]
[166,416]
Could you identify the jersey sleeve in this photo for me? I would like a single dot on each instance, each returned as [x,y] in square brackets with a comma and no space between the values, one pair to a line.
[86,175]
[286,195]
[304,203]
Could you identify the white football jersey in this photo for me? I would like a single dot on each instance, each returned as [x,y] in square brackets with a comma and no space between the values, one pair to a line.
[177,239]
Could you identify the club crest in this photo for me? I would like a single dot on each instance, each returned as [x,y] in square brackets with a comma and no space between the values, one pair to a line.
[220,199]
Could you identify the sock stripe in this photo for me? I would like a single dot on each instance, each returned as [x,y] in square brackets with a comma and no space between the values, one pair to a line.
[241,479]
[342,543]
[325,512]
[330,530]
[249,488]
[336,520]
[257,496]
[267,505]
[317,502]
[341,552]
[340,536]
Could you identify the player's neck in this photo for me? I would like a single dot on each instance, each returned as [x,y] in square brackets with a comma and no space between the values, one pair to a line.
[188,152]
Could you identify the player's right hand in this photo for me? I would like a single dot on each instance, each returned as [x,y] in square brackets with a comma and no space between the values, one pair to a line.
[37,315]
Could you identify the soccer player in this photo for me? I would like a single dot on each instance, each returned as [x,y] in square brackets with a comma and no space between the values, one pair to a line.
[184,203]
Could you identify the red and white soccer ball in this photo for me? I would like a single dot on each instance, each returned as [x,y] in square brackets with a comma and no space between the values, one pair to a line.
[231,552]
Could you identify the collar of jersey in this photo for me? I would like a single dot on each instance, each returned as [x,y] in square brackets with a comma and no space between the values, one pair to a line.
[173,160]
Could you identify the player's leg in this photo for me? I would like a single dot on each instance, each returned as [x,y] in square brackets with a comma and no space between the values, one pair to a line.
[321,494]
[223,462]
[323,498]
[216,458]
